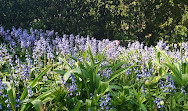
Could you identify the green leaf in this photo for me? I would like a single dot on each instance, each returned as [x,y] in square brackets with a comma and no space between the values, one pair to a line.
[155,79]
[176,73]
[27,106]
[115,74]
[68,73]
[143,107]
[72,57]
[104,87]
[165,56]
[88,103]
[38,105]
[11,95]
[62,72]
[97,82]
[65,61]
[32,84]
[39,76]
[158,57]
[114,87]
[45,95]
[48,99]
[185,106]
[118,65]
[113,109]
[185,79]
[91,56]
[78,105]
[102,55]
[86,74]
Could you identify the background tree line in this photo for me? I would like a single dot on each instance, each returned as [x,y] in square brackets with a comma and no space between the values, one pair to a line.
[143,20]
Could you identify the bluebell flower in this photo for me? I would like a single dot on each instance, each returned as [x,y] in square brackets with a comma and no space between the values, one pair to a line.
[144,89]
[183,90]
[72,86]
[8,106]
[105,102]
[7,100]
[108,98]
[2,29]
[91,96]
[0,106]
[18,101]
[1,84]
[5,95]
[17,105]
[73,78]
[159,101]
[25,72]
[30,92]
[167,86]
[62,81]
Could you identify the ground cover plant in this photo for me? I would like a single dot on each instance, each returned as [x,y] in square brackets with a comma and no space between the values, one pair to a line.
[44,72]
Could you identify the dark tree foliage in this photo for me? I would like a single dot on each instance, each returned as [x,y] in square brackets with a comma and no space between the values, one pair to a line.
[143,20]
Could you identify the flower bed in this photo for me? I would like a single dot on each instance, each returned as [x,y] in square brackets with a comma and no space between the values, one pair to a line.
[42,71]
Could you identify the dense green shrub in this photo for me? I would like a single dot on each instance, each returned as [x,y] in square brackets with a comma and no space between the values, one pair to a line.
[141,20]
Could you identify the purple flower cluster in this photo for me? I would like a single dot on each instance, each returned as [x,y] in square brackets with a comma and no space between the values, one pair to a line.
[159,102]
[0,106]
[70,86]
[73,86]
[144,73]
[107,72]
[167,86]
[105,103]
[183,90]
[30,92]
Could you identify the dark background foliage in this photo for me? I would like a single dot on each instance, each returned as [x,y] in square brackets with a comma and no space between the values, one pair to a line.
[143,20]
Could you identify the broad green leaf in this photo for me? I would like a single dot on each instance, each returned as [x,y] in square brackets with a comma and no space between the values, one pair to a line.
[33,83]
[46,94]
[157,63]
[91,56]
[104,87]
[62,72]
[38,105]
[113,109]
[165,56]
[48,99]
[102,55]
[185,79]
[86,74]
[97,82]
[88,103]
[176,73]
[72,57]
[65,61]
[39,76]
[143,107]
[115,74]
[68,73]
[155,79]
[118,65]
[114,87]
[185,106]
[158,57]
[11,95]
[78,105]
